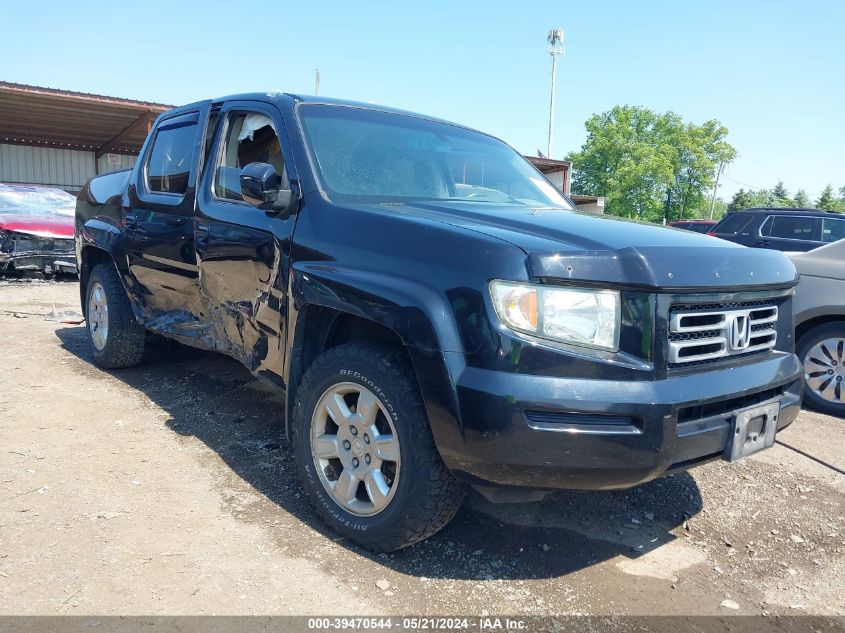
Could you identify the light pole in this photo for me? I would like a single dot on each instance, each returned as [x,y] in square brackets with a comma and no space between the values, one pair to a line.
[556,47]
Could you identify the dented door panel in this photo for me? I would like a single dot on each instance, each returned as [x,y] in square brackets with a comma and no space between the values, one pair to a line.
[243,255]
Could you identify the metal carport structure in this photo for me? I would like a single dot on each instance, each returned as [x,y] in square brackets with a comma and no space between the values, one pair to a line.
[61,138]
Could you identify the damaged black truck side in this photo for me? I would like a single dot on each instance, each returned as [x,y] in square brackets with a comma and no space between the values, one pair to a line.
[436,312]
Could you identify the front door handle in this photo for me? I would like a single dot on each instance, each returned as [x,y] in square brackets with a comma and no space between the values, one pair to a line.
[130,221]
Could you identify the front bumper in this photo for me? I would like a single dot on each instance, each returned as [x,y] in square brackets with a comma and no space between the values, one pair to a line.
[48,263]
[544,432]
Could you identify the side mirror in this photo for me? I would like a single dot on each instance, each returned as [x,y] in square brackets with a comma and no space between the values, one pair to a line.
[260,185]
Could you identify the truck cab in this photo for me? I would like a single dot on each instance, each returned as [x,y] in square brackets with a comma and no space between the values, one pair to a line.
[438,315]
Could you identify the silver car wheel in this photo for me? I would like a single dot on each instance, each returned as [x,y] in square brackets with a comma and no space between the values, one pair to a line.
[824,369]
[355,449]
[98,316]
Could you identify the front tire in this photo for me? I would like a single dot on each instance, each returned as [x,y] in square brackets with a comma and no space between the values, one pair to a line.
[115,338]
[365,452]
[822,351]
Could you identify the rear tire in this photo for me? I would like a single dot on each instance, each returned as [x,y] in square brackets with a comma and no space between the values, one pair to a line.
[115,338]
[822,351]
[374,474]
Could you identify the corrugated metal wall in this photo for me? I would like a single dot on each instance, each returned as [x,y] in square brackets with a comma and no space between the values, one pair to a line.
[64,168]
[114,162]
[556,178]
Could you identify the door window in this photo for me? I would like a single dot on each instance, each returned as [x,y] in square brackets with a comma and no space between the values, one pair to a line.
[833,229]
[790,227]
[169,165]
[250,138]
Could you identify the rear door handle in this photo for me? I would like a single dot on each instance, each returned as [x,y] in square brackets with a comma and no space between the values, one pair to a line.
[202,233]
[173,220]
[130,221]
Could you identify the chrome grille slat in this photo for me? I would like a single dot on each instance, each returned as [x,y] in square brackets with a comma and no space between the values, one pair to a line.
[708,332]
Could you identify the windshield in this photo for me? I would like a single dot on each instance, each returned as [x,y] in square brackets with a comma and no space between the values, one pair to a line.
[365,155]
[43,202]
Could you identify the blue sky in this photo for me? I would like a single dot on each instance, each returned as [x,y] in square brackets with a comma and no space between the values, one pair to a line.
[773,72]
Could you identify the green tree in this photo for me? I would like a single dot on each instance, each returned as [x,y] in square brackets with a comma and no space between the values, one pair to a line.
[649,165]
[827,202]
[802,200]
[748,200]
[699,150]
[780,196]
[720,208]
[624,160]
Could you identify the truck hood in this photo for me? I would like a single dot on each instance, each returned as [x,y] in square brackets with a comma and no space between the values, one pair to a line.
[38,227]
[562,244]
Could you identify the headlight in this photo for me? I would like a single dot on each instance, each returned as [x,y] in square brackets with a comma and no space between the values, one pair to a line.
[570,315]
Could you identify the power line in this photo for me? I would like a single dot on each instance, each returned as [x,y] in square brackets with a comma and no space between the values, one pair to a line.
[755,188]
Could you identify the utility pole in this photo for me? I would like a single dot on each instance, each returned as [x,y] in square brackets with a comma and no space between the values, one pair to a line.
[715,187]
[316,81]
[556,47]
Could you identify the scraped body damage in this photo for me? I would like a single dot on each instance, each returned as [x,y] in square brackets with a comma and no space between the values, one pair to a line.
[224,293]
[235,306]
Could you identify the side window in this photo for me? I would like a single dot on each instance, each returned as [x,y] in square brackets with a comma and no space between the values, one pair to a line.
[169,164]
[767,227]
[250,138]
[792,227]
[732,224]
[833,229]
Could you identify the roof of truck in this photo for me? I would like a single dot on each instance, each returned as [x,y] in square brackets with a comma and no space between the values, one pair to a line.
[264,96]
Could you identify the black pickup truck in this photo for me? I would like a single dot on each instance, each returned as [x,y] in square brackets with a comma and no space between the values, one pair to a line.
[435,310]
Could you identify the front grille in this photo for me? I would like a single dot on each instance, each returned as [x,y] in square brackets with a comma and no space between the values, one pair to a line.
[703,333]
[725,407]
[18,244]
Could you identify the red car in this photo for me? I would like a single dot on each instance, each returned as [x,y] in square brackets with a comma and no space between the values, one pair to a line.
[36,230]
[699,226]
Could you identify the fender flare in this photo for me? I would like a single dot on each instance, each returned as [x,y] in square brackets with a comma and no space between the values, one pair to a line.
[420,317]
[101,234]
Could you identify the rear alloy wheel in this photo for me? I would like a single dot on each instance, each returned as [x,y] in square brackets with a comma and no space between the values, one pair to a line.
[115,336]
[365,452]
[98,316]
[822,351]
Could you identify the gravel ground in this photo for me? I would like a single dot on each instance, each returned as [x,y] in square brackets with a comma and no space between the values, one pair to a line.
[167,489]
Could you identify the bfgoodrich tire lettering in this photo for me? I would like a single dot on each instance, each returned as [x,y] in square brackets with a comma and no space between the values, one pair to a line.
[106,302]
[426,496]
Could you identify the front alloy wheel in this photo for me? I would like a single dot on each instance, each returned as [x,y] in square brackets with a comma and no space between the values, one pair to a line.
[364,449]
[355,449]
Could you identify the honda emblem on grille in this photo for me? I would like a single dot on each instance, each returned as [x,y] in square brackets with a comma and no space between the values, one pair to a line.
[739,332]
